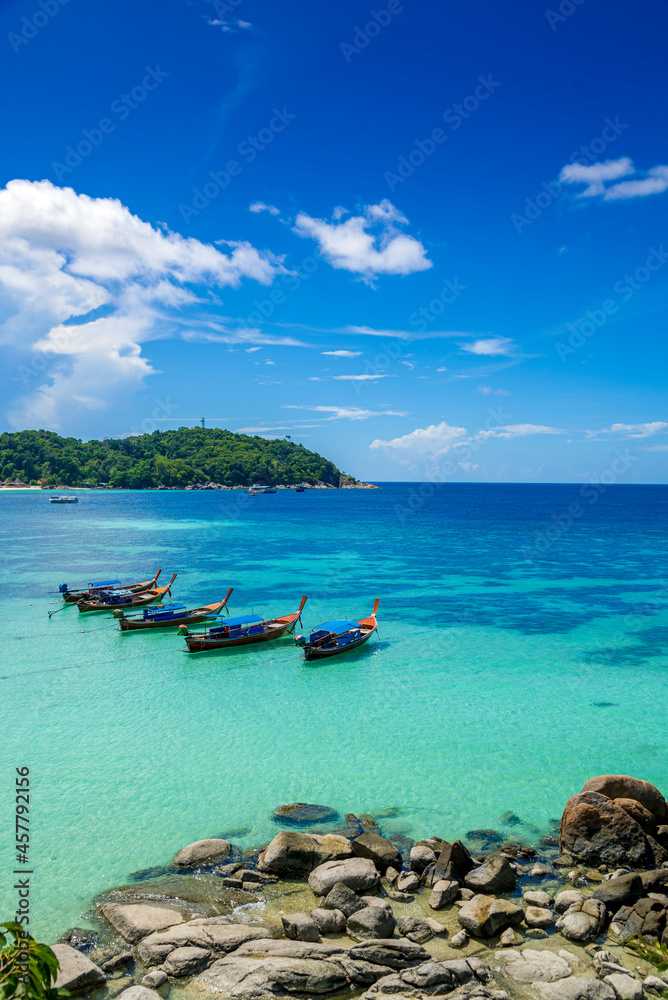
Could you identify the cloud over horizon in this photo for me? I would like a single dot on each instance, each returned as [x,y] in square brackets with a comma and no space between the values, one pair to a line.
[595,176]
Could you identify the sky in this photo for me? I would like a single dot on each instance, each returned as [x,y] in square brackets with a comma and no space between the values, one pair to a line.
[423,239]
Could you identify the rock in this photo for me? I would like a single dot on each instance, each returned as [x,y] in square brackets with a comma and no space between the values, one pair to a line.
[583,921]
[154,979]
[203,852]
[535,966]
[399,897]
[363,973]
[444,892]
[655,880]
[595,829]
[535,897]
[538,916]
[465,894]
[495,875]
[340,897]
[396,953]
[654,983]
[292,853]
[76,972]
[133,921]
[510,938]
[392,874]
[621,786]
[273,948]
[186,961]
[304,814]
[460,939]
[567,898]
[540,870]
[440,977]
[420,857]
[358,874]
[616,892]
[371,922]
[382,852]
[329,921]
[435,926]
[577,988]
[483,916]
[118,961]
[414,929]
[250,978]
[82,938]
[454,862]
[300,927]
[140,993]
[408,882]
[216,936]
[625,987]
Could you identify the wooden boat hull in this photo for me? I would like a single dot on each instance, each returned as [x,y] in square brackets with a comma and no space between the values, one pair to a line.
[195,616]
[74,596]
[201,644]
[323,653]
[137,601]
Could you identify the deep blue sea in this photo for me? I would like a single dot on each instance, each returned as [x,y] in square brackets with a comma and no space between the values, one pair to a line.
[522,648]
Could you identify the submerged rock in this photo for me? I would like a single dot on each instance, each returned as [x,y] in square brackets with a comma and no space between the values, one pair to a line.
[304,814]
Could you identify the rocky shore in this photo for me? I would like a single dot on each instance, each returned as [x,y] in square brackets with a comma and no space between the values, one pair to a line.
[351,912]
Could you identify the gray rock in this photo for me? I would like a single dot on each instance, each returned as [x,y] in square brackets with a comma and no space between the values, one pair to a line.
[118,961]
[329,921]
[186,961]
[358,874]
[577,988]
[340,897]
[567,898]
[154,979]
[532,965]
[484,916]
[252,978]
[217,937]
[280,948]
[414,929]
[444,892]
[371,922]
[616,892]
[408,882]
[76,972]
[626,987]
[654,983]
[140,993]
[364,973]
[460,939]
[510,938]
[583,921]
[420,857]
[450,974]
[292,853]
[392,874]
[538,916]
[300,927]
[203,852]
[540,871]
[535,897]
[397,953]
[304,814]
[495,875]
[382,852]
[133,921]
[436,926]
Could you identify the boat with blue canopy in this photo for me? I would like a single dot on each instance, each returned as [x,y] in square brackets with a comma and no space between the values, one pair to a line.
[171,615]
[242,630]
[91,591]
[338,636]
[126,597]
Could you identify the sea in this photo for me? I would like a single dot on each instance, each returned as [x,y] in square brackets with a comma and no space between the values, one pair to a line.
[522,649]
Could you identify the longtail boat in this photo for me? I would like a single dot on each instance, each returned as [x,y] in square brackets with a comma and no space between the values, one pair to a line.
[242,631]
[170,615]
[109,600]
[338,636]
[74,596]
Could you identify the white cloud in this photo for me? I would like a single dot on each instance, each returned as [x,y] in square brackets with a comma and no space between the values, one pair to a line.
[632,430]
[229,24]
[657,447]
[491,347]
[359,378]
[260,206]
[64,255]
[442,369]
[437,439]
[370,244]
[250,350]
[518,430]
[347,412]
[595,175]
[342,354]
[487,390]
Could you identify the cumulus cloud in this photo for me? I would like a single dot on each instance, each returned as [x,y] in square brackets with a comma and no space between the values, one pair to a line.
[85,282]
[342,354]
[370,244]
[347,412]
[260,206]
[631,430]
[437,439]
[491,347]
[518,430]
[596,175]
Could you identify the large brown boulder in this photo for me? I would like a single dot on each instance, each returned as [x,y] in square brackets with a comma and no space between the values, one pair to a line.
[621,786]
[299,853]
[595,829]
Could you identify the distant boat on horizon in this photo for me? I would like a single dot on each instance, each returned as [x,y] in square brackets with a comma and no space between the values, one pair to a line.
[63,499]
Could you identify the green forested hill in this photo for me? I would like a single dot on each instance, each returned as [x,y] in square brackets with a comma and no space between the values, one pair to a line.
[164,458]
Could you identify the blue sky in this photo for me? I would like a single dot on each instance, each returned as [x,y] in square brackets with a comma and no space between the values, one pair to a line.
[425,240]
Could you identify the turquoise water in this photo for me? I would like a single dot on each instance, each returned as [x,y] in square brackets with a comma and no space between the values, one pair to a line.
[510,666]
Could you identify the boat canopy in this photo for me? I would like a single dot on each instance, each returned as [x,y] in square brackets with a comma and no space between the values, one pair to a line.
[120,593]
[338,625]
[239,620]
[106,583]
[163,608]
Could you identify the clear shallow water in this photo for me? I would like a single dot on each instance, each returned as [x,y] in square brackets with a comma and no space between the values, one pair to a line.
[496,683]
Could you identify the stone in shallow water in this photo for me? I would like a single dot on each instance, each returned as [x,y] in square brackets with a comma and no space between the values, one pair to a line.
[398,953]
[583,921]
[340,897]
[248,978]
[203,852]
[293,853]
[567,898]
[329,921]
[186,961]
[133,921]
[382,852]
[376,921]
[495,875]
[484,916]
[535,897]
[414,929]
[153,979]
[577,988]
[534,966]
[538,916]
[304,814]
[76,972]
[300,927]
[358,874]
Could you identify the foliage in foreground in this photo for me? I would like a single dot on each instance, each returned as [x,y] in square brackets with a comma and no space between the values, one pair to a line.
[27,968]
[653,952]
[164,458]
